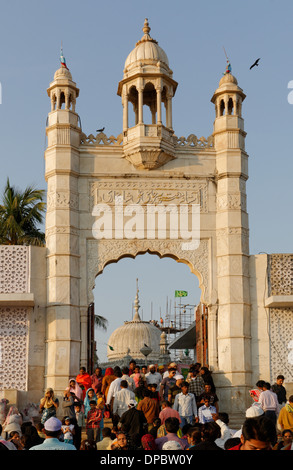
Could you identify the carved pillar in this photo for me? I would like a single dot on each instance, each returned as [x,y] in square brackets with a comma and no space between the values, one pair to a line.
[159,105]
[140,105]
[125,110]
[212,333]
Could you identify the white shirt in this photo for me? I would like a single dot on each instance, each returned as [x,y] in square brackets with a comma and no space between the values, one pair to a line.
[185,404]
[121,400]
[154,378]
[269,401]
[130,381]
[226,434]
[114,387]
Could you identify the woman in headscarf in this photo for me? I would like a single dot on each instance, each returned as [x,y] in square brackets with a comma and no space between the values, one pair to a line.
[148,442]
[97,379]
[84,380]
[89,395]
[48,405]
[75,390]
[107,380]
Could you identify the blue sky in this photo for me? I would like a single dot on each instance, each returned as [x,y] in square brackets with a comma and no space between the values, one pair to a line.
[97,37]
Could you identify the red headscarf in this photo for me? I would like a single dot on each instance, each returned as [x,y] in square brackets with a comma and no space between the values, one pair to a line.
[148,442]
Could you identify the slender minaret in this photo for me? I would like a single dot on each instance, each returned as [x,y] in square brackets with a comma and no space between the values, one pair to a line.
[62,226]
[232,245]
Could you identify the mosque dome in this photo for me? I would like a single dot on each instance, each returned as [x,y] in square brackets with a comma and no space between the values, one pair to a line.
[62,73]
[227,79]
[130,338]
[146,50]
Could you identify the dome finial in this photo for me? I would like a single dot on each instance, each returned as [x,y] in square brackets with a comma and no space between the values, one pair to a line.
[146,28]
[136,304]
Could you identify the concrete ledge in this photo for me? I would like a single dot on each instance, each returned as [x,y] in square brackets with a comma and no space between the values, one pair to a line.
[279,301]
[17,300]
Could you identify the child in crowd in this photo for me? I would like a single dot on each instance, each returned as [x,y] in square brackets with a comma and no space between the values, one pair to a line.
[101,406]
[93,420]
[80,423]
[68,430]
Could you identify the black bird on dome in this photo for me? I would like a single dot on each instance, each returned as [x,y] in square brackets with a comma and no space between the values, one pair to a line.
[100,130]
[255,64]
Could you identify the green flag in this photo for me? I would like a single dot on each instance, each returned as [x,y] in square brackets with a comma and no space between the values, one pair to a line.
[110,347]
[181,293]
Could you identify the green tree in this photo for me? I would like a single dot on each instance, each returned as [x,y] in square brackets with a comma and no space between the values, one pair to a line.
[101,322]
[20,214]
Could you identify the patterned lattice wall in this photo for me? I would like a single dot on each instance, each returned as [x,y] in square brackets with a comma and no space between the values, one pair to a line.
[14,269]
[13,348]
[280,277]
[280,270]
[281,341]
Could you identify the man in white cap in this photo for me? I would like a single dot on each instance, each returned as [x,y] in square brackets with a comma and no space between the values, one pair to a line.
[153,377]
[133,421]
[171,366]
[254,411]
[52,431]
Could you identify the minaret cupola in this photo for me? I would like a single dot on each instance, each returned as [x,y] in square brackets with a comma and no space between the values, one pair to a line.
[149,87]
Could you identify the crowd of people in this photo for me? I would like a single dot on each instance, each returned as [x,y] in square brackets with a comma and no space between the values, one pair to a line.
[149,408]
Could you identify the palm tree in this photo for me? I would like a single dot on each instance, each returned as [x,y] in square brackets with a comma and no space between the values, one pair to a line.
[101,322]
[20,213]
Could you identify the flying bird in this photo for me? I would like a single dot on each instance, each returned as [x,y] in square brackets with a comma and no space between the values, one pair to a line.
[255,63]
[100,130]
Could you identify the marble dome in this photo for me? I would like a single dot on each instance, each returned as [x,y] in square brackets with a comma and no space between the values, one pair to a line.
[147,49]
[62,73]
[130,338]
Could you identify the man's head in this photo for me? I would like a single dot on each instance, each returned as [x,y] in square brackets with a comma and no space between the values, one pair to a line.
[93,404]
[287,436]
[121,440]
[132,403]
[280,380]
[52,427]
[207,388]
[206,402]
[172,425]
[258,434]
[172,373]
[165,404]
[152,368]
[179,379]
[106,432]
[266,386]
[124,384]
[260,384]
[184,387]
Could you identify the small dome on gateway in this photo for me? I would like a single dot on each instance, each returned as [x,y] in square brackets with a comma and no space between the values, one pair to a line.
[62,73]
[228,78]
[147,49]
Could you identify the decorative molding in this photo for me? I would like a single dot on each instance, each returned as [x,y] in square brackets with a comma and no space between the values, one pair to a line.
[62,200]
[146,191]
[191,141]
